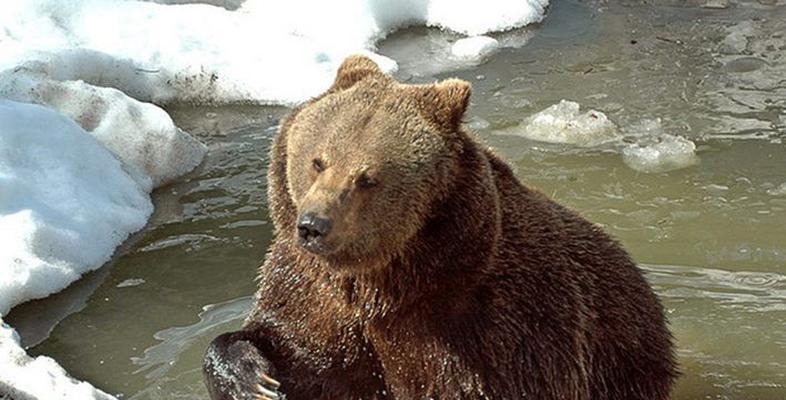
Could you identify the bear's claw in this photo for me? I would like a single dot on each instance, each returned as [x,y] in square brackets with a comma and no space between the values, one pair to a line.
[267,393]
[270,381]
[235,369]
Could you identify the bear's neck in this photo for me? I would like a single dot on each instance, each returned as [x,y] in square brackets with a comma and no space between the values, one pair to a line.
[443,263]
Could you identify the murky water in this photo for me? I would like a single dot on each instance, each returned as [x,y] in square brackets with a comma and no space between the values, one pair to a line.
[712,236]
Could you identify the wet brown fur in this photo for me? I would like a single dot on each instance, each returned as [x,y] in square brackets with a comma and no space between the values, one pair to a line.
[449,279]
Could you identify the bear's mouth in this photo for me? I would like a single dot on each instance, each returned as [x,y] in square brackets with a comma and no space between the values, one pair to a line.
[316,245]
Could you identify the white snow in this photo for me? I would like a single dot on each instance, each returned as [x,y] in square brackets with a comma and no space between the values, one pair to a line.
[65,202]
[141,135]
[564,123]
[26,378]
[474,48]
[201,53]
[69,197]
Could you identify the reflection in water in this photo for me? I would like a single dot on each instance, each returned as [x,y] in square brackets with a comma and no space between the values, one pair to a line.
[159,359]
[35,320]
[742,290]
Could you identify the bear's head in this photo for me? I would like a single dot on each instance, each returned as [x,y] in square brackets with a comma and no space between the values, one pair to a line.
[368,161]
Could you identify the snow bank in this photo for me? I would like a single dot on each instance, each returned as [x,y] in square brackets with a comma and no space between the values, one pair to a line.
[69,196]
[563,123]
[200,53]
[65,184]
[65,203]
[36,378]
[142,136]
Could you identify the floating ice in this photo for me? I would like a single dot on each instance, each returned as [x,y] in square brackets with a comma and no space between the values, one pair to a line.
[563,123]
[660,154]
[652,150]
[130,283]
[474,48]
[36,378]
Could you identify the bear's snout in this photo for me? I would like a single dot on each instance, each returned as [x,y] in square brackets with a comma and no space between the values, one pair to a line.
[312,230]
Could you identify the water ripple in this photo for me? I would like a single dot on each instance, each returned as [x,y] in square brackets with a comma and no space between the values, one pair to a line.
[735,287]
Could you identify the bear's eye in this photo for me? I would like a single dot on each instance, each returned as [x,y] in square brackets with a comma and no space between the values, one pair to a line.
[318,165]
[365,182]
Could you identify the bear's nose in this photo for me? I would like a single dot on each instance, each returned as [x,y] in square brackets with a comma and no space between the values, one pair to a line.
[310,226]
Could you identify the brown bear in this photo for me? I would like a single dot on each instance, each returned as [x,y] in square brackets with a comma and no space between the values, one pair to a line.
[410,263]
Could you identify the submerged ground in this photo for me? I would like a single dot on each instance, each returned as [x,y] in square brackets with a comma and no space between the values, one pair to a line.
[712,236]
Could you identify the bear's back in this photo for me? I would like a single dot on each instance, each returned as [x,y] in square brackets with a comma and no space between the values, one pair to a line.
[578,285]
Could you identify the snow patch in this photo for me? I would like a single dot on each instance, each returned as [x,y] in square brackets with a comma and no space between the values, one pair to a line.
[298,44]
[564,123]
[141,135]
[472,17]
[65,203]
[69,197]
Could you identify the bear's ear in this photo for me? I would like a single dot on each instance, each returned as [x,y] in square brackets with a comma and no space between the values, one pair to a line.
[452,98]
[353,70]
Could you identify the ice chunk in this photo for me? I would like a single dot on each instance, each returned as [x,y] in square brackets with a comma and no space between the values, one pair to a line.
[37,378]
[65,203]
[474,48]
[660,153]
[654,150]
[563,123]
